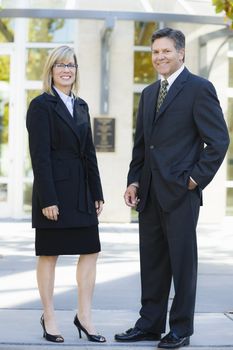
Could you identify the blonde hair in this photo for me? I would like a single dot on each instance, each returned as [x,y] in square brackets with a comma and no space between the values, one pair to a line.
[59,54]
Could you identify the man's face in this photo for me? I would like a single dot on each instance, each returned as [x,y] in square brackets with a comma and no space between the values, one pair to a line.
[165,57]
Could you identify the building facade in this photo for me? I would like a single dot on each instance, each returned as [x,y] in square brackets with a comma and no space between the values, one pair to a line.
[114,66]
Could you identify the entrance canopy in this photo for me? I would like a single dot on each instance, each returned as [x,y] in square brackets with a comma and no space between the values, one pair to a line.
[193,11]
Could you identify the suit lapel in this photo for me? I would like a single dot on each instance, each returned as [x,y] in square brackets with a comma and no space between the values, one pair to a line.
[172,92]
[151,103]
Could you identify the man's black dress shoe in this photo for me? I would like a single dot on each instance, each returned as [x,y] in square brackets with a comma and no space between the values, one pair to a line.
[136,334]
[172,341]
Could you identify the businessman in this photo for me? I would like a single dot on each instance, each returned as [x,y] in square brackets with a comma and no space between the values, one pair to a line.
[180,142]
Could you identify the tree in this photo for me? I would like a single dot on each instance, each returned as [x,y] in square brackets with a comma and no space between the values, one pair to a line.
[226,6]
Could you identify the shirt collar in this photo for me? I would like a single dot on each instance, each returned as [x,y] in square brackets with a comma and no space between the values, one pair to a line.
[65,98]
[173,77]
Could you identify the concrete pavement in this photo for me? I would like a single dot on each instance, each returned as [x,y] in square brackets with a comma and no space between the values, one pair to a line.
[117,292]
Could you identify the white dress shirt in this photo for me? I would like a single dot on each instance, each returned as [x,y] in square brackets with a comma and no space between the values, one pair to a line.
[68,100]
[173,77]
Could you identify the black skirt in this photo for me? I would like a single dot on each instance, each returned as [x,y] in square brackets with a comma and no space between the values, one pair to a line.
[67,241]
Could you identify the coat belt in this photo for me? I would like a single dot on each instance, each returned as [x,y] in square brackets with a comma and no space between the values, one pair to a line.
[84,198]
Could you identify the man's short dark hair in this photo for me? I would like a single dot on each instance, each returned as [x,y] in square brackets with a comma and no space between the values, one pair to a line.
[176,35]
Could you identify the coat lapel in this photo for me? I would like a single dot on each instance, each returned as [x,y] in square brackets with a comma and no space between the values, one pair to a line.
[63,113]
[80,112]
[173,91]
[81,118]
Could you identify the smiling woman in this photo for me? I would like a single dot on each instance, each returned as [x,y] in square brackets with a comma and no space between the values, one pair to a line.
[61,71]
[67,192]
[64,75]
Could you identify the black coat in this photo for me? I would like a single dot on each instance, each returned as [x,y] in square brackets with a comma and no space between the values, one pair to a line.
[64,163]
[187,137]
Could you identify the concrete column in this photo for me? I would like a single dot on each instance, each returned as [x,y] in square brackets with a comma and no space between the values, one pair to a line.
[113,165]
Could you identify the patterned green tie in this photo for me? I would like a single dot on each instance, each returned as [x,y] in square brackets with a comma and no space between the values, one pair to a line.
[162,94]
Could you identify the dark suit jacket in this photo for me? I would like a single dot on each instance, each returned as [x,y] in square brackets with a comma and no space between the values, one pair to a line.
[63,161]
[187,137]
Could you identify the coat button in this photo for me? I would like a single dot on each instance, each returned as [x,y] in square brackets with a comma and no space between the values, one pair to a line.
[152,146]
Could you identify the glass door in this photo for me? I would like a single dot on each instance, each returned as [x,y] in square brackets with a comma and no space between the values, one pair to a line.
[5,163]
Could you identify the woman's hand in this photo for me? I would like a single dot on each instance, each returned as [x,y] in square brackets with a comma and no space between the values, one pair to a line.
[51,213]
[99,207]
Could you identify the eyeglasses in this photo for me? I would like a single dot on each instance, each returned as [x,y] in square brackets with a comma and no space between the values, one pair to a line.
[63,66]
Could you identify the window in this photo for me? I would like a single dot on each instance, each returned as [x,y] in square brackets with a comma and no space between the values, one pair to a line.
[5,68]
[229,183]
[4,113]
[144,72]
[35,63]
[143,32]
[6,30]
[27,197]
[50,30]
[136,98]
[230,71]
[230,149]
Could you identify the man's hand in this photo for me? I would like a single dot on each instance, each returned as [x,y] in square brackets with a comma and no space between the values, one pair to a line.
[192,185]
[130,196]
[51,212]
[99,207]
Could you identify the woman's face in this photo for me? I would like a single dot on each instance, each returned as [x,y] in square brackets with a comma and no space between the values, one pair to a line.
[63,74]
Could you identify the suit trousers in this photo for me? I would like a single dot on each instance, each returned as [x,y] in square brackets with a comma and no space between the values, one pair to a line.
[168,250]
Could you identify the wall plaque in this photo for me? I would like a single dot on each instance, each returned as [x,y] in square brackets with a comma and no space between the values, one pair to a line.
[104,134]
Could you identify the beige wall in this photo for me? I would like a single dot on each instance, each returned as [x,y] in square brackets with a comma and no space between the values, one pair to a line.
[113,165]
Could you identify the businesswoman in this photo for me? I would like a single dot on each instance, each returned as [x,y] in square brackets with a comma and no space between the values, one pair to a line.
[67,195]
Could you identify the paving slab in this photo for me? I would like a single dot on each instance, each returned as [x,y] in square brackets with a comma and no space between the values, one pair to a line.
[117,293]
[21,329]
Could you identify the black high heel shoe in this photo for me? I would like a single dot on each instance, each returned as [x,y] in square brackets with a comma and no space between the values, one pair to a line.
[91,337]
[50,337]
